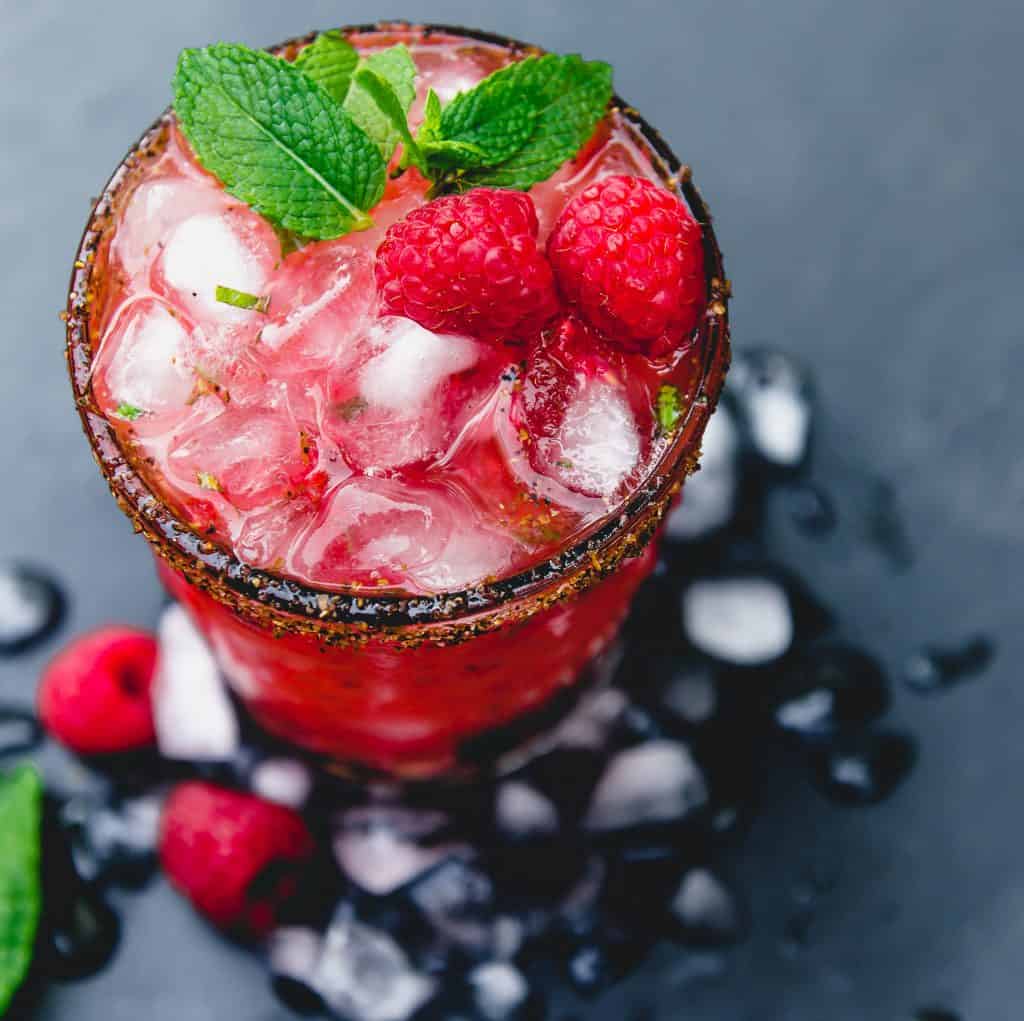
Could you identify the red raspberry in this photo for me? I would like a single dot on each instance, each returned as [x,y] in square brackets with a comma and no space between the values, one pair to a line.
[236,857]
[627,255]
[468,264]
[94,697]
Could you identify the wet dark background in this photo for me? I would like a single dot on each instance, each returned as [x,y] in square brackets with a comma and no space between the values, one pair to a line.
[863,161]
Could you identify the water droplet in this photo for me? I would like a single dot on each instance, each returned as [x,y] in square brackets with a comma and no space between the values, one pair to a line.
[936,668]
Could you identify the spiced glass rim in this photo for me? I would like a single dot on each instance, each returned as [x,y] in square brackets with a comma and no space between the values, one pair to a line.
[261,593]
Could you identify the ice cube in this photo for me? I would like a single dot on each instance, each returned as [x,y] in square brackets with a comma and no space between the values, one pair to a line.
[363,975]
[705,910]
[692,693]
[143,362]
[283,780]
[292,956]
[31,606]
[192,713]
[657,781]
[709,496]
[252,456]
[411,363]
[500,991]
[319,304]
[522,811]
[458,899]
[773,392]
[598,444]
[155,209]
[746,620]
[380,860]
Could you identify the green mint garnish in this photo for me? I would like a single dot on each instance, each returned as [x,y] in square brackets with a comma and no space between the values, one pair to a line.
[669,407]
[330,60]
[527,120]
[242,299]
[129,412]
[277,140]
[21,796]
[389,106]
[394,66]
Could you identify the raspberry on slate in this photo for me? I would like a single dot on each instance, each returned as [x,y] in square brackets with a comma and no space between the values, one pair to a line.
[236,857]
[627,255]
[94,697]
[468,264]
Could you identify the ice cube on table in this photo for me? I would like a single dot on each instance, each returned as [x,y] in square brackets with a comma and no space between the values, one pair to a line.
[193,716]
[292,955]
[500,991]
[705,910]
[522,811]
[709,495]
[363,975]
[773,393]
[31,605]
[380,860]
[745,620]
[657,781]
[143,362]
[598,444]
[282,780]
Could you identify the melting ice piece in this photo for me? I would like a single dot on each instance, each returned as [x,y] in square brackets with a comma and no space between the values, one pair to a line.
[412,363]
[30,607]
[143,361]
[709,496]
[283,780]
[292,956]
[657,781]
[458,899]
[742,619]
[192,713]
[500,991]
[705,910]
[522,811]
[774,396]
[380,860]
[117,844]
[598,444]
[363,975]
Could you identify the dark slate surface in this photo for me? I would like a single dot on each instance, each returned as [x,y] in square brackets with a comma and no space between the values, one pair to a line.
[864,164]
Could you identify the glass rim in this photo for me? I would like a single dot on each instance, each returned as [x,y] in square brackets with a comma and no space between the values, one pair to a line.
[286,604]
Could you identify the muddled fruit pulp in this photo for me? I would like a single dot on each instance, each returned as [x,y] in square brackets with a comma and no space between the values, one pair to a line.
[325,442]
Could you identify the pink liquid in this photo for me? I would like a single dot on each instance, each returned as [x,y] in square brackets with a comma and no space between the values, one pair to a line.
[350,452]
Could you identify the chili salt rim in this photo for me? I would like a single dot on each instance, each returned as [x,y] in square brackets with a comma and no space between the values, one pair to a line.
[334,616]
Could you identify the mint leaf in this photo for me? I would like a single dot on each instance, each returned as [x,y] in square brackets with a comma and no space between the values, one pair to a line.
[129,412]
[669,407]
[430,129]
[21,796]
[497,116]
[573,97]
[277,140]
[242,299]
[329,60]
[395,66]
[390,106]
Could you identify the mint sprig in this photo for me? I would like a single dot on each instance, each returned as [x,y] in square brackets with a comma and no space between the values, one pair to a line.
[330,60]
[523,123]
[393,66]
[21,795]
[277,140]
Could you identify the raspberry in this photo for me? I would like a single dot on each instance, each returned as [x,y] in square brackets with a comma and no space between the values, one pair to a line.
[627,256]
[94,697]
[468,264]
[236,857]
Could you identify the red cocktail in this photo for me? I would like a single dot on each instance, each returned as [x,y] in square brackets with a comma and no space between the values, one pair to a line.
[397,536]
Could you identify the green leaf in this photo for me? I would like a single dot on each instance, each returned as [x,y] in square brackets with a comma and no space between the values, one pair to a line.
[669,407]
[329,60]
[388,103]
[498,115]
[242,299]
[129,412]
[396,67]
[21,795]
[277,140]
[430,129]
[574,97]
